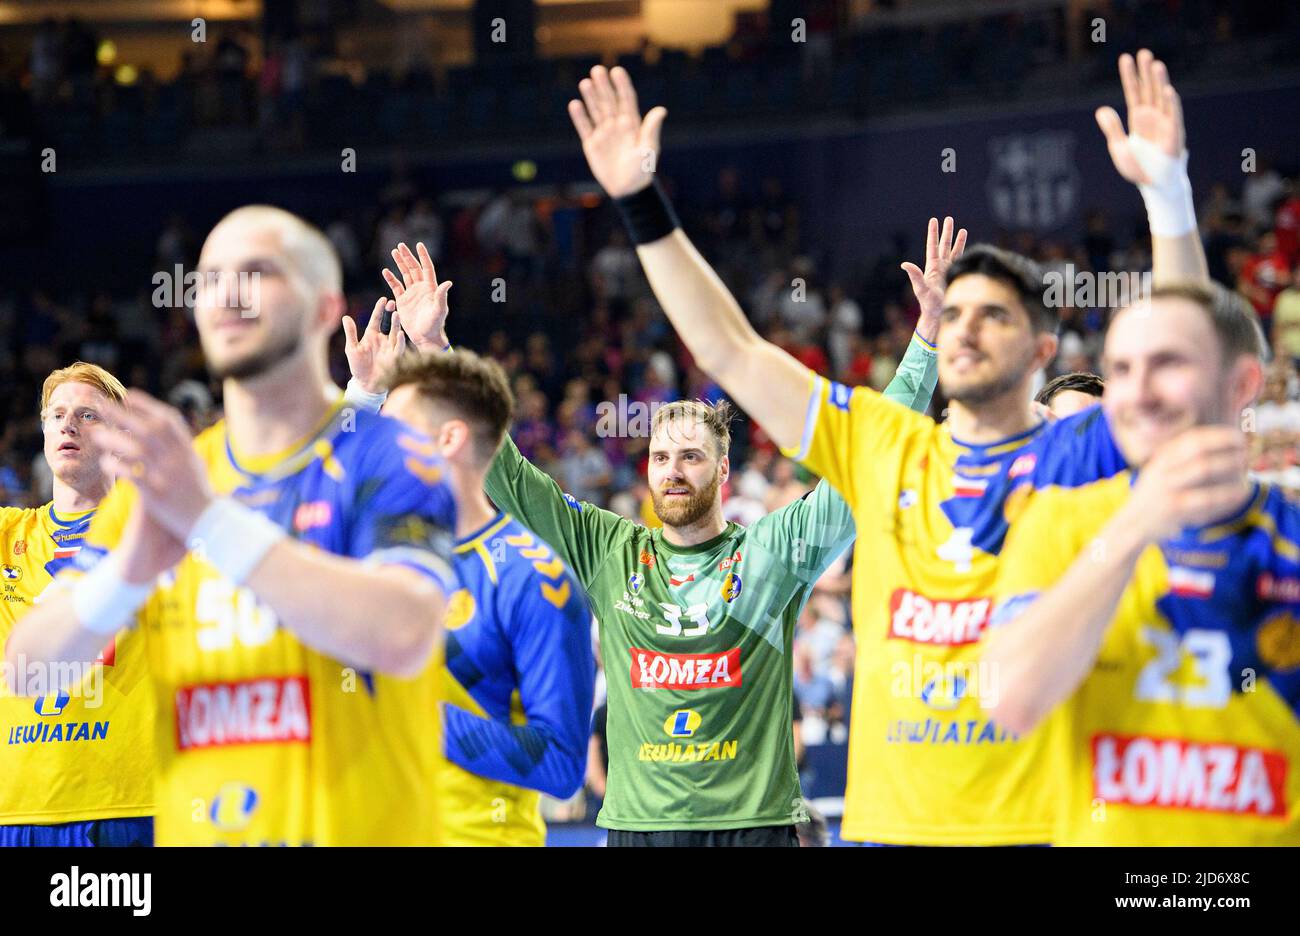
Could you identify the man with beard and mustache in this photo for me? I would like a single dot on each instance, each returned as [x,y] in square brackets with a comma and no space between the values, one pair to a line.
[288,569]
[697,618]
[927,766]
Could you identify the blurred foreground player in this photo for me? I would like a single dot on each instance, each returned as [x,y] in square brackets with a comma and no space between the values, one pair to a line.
[288,571]
[77,767]
[517,672]
[1157,612]
[927,765]
[696,617]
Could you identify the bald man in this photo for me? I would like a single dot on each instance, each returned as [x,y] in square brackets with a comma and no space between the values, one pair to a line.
[288,569]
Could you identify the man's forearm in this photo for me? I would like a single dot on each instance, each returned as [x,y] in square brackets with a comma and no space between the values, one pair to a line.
[377,618]
[47,637]
[1040,657]
[523,755]
[1178,260]
[765,381]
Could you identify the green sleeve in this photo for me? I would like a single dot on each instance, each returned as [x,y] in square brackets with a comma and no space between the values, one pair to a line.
[582,533]
[918,374]
[809,533]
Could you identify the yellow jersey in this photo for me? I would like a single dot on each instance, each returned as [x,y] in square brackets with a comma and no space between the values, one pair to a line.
[69,757]
[262,740]
[926,764]
[1187,729]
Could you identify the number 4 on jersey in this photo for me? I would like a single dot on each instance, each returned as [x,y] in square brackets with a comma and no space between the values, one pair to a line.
[958,549]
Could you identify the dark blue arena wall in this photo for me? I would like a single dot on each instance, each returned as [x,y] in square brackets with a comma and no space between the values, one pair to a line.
[1040,170]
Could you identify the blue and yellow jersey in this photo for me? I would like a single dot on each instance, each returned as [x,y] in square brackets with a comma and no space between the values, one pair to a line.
[517,683]
[1187,729]
[69,757]
[261,739]
[926,764]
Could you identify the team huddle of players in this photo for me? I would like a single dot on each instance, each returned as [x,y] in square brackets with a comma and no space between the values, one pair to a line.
[319,623]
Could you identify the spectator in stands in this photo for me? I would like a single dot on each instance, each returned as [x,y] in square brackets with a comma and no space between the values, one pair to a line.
[1286,319]
[583,470]
[1263,277]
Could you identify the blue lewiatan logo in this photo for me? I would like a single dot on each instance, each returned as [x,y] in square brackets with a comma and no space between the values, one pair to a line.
[233,807]
[943,694]
[45,732]
[839,397]
[49,706]
[573,502]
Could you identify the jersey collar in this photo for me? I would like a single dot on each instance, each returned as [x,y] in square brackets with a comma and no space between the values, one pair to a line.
[288,459]
[999,447]
[72,519]
[698,548]
[466,543]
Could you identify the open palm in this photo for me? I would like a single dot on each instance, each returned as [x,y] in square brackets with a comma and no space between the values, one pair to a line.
[621,148]
[421,300]
[1155,113]
[928,285]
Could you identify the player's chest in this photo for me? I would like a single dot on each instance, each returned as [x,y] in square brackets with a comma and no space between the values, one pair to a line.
[946,515]
[691,604]
[1197,629]
[201,627]
[478,658]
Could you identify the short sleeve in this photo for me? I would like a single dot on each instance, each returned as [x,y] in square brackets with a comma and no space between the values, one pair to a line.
[844,426]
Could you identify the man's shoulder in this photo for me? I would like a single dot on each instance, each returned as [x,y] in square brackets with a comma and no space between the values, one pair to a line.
[11,517]
[1077,450]
[376,445]
[531,566]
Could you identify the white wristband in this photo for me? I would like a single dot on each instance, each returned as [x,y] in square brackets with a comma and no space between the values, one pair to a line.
[233,538]
[360,398]
[104,601]
[1171,211]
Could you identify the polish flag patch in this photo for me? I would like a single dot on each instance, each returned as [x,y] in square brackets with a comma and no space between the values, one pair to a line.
[1190,583]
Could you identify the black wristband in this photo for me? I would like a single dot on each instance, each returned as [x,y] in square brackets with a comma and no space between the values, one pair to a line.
[647,214]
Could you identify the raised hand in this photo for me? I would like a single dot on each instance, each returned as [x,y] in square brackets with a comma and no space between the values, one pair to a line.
[373,355]
[1155,114]
[621,148]
[421,299]
[928,285]
[149,442]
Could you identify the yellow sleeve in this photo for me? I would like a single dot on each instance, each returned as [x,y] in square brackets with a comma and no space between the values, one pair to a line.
[846,429]
[106,529]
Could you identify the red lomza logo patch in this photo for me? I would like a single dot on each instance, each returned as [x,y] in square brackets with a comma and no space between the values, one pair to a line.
[1171,773]
[923,620]
[653,670]
[274,710]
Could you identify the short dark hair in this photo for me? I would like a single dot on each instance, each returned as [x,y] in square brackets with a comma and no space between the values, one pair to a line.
[474,388]
[1020,273]
[1080,382]
[1234,319]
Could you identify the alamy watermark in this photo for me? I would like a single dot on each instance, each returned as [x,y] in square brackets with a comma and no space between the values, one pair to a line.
[175,287]
[1084,289]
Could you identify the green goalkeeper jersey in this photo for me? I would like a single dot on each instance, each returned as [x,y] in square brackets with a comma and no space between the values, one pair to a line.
[696,640]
